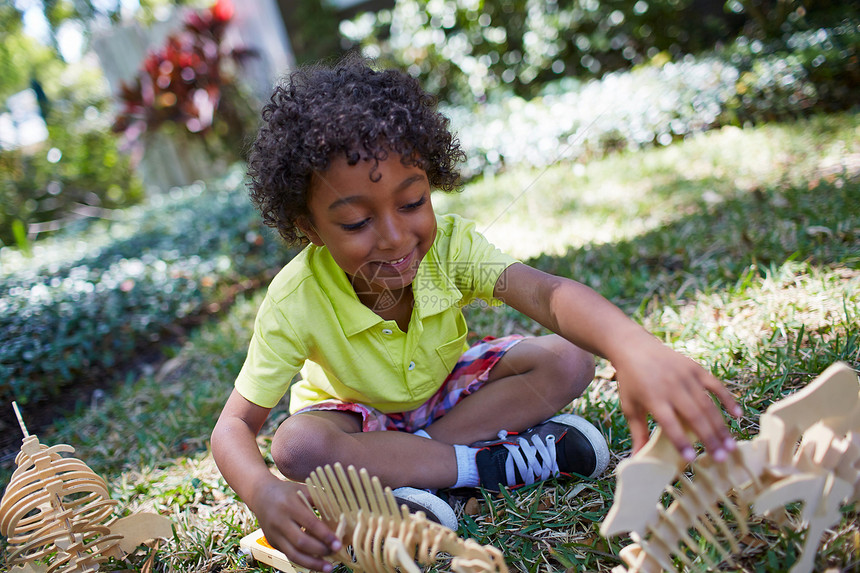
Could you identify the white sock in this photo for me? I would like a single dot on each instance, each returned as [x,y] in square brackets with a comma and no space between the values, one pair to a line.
[467,467]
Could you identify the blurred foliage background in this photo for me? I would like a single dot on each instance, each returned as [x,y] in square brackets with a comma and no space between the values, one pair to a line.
[85,169]
[787,57]
[81,169]
[467,49]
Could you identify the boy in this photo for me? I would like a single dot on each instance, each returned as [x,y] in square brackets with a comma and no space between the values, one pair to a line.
[370,311]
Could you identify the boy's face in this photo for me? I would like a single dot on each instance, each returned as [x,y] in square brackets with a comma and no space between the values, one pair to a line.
[377,231]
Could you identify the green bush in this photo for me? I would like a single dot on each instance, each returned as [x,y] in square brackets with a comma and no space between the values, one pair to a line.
[811,69]
[77,172]
[578,121]
[465,49]
[745,83]
[86,303]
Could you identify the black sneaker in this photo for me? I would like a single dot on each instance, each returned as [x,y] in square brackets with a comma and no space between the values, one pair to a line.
[432,505]
[563,445]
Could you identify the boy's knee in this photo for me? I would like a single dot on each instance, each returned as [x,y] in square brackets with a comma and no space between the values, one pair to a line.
[299,446]
[573,368]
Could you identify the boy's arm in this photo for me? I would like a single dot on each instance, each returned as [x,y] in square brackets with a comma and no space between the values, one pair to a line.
[289,525]
[651,376]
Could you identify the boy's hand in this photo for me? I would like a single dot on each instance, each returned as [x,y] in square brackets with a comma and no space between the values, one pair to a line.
[677,392]
[651,376]
[292,528]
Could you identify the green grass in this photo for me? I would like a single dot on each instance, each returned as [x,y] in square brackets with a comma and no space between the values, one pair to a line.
[740,248]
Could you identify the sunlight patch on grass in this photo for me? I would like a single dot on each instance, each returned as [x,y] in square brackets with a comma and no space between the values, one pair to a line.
[527,212]
[793,297]
[769,335]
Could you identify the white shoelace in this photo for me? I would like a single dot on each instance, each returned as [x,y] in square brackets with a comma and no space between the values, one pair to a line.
[523,456]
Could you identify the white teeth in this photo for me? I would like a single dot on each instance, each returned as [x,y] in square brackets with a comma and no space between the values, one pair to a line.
[400,260]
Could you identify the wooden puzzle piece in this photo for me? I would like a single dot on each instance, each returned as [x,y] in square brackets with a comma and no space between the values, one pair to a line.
[57,508]
[378,535]
[808,450]
[255,546]
[831,399]
[385,537]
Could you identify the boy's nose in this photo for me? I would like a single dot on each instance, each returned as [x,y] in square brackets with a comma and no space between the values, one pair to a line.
[390,233]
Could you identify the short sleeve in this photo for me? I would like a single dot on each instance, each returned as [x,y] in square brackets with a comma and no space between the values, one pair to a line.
[474,263]
[275,356]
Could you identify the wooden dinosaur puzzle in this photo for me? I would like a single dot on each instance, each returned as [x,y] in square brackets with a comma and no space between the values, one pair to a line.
[807,450]
[57,515]
[378,535]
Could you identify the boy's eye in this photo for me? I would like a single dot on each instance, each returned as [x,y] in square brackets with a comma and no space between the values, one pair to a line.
[354,226]
[364,222]
[416,204]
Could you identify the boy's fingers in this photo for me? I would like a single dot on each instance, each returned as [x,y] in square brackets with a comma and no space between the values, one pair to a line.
[311,562]
[682,404]
[698,413]
[306,543]
[705,420]
[674,430]
[724,396]
[321,533]
[308,525]
[304,538]
[303,549]
[638,431]
[722,434]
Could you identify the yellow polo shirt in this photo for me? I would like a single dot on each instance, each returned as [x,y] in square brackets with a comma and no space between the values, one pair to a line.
[311,320]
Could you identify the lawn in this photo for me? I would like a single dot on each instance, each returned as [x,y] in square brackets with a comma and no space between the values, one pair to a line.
[738,247]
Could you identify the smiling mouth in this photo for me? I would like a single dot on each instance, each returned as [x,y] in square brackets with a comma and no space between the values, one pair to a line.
[398,265]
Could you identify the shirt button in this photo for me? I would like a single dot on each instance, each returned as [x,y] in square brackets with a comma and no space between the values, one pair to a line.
[386,331]
[412,366]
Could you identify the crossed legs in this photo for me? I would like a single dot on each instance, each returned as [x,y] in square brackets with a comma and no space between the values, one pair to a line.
[533,380]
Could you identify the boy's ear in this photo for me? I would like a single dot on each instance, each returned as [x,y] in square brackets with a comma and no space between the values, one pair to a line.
[307,228]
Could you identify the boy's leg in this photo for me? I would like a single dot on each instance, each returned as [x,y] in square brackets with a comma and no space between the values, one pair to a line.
[532,381]
[308,440]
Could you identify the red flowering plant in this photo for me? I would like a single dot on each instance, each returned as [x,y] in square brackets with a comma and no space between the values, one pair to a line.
[185,83]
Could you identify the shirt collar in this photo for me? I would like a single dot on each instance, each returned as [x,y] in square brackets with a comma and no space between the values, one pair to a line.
[353,316]
[433,290]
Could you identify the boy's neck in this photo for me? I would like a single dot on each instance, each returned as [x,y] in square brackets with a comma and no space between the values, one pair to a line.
[391,305]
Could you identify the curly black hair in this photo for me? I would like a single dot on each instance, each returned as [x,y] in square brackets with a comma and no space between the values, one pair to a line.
[347,109]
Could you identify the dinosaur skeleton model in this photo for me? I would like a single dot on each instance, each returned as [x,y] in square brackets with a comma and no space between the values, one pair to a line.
[378,535]
[808,449]
[56,509]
